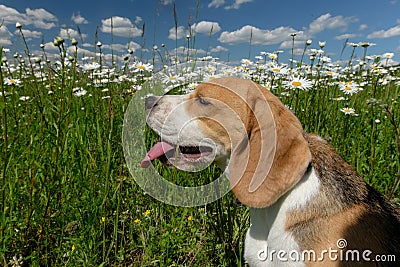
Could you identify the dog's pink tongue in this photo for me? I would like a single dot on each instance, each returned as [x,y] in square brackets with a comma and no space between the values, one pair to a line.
[156,151]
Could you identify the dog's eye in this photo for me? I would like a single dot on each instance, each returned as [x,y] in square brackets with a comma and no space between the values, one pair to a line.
[203,101]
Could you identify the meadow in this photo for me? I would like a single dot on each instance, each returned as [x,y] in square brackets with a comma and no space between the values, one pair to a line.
[68,198]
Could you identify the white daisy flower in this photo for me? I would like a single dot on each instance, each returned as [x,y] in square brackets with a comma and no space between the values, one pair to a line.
[278,70]
[172,79]
[139,66]
[298,83]
[349,88]
[11,81]
[24,98]
[349,111]
[388,55]
[246,62]
[79,92]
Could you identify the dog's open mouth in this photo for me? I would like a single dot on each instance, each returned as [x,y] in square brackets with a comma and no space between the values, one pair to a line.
[182,157]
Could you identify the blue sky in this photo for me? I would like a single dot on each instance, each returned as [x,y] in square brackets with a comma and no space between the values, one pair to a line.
[233,22]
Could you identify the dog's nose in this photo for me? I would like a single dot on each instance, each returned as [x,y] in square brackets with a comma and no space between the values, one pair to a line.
[151,101]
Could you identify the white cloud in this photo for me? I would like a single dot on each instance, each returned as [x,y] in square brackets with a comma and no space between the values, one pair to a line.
[87,45]
[120,26]
[50,47]
[182,52]
[39,18]
[78,19]
[363,27]
[218,48]
[11,15]
[259,36]
[110,57]
[81,52]
[115,47]
[166,2]
[216,3]
[299,51]
[206,27]
[179,33]
[346,36]
[137,20]
[281,35]
[394,31]
[122,48]
[327,21]
[70,33]
[203,27]
[133,46]
[289,43]
[5,36]
[30,34]
[237,4]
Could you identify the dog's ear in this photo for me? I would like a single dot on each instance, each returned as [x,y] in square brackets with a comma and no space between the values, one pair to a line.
[273,156]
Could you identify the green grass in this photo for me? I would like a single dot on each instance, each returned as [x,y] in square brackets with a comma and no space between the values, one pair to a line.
[68,199]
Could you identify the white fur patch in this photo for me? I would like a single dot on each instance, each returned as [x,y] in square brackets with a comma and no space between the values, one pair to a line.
[267,243]
[171,121]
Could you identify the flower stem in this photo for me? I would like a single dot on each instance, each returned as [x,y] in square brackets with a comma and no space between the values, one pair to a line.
[5,160]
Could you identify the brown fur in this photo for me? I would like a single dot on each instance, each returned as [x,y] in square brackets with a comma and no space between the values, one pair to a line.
[265,119]
[346,207]
[241,116]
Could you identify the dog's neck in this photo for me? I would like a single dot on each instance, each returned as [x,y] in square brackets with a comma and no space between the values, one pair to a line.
[267,230]
[274,215]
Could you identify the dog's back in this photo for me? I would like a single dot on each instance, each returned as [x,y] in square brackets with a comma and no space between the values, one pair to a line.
[349,211]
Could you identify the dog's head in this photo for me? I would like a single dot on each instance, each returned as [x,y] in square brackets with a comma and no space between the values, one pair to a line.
[240,126]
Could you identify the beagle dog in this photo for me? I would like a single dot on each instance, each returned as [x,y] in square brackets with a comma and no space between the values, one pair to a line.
[308,207]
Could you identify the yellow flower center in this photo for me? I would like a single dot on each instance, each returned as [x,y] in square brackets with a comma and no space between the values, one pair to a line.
[276,70]
[141,67]
[296,83]
[347,88]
